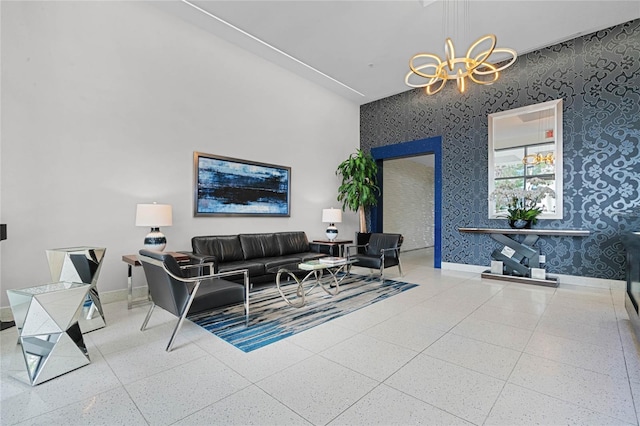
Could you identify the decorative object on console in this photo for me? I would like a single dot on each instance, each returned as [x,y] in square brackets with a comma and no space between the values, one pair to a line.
[520,223]
[522,205]
[154,215]
[332,216]
[227,186]
[359,188]
[497,267]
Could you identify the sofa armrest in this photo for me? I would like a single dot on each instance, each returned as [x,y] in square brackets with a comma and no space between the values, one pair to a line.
[199,259]
[197,269]
[392,249]
[349,249]
[315,247]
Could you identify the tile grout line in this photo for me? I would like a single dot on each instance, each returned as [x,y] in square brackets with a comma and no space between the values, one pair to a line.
[522,352]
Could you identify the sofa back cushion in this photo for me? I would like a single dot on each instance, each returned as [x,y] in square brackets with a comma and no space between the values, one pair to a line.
[259,245]
[379,241]
[292,242]
[226,248]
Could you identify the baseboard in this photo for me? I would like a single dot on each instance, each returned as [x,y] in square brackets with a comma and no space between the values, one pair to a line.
[463,267]
[121,295]
[562,279]
[5,314]
[592,282]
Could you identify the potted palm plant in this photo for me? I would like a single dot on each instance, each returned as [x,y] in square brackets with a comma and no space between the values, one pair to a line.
[359,188]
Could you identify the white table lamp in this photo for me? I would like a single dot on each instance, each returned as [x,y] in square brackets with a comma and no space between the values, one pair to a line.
[154,215]
[332,216]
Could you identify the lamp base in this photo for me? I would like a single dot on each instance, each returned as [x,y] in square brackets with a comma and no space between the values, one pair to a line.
[332,232]
[155,240]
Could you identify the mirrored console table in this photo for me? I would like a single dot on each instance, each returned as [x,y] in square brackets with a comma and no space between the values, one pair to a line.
[519,261]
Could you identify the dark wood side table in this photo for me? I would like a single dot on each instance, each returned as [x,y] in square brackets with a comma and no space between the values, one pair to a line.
[132,260]
[334,243]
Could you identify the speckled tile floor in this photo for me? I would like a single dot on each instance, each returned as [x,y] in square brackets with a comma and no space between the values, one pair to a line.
[455,350]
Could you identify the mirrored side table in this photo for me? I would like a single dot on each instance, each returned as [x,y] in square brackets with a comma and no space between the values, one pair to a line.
[47,320]
[81,265]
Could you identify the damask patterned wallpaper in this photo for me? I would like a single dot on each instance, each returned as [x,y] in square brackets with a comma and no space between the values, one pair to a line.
[598,77]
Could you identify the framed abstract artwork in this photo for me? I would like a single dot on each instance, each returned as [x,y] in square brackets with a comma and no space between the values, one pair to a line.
[226,186]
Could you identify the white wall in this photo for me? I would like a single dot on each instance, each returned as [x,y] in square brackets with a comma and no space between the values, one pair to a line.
[103,104]
[408,203]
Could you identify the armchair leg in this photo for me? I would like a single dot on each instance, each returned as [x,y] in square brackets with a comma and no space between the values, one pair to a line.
[400,267]
[176,330]
[185,312]
[146,320]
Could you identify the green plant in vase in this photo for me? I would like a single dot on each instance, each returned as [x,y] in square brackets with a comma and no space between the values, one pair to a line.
[523,206]
[359,188]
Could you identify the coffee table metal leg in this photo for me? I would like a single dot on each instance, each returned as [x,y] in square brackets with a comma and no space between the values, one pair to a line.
[346,269]
[300,293]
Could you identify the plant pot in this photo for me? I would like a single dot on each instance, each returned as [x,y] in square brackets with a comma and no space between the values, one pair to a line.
[520,224]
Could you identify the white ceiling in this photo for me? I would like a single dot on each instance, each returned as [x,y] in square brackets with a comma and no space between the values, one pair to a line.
[366,44]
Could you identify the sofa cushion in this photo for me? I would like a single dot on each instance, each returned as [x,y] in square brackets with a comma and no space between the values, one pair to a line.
[226,248]
[311,256]
[272,264]
[292,242]
[255,268]
[379,241]
[216,293]
[259,245]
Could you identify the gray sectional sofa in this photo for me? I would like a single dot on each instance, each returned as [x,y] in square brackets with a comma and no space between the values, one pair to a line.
[259,253]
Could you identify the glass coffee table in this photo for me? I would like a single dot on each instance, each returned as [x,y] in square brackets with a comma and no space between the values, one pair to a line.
[314,273]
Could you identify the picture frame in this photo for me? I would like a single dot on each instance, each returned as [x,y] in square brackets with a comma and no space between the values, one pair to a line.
[225,186]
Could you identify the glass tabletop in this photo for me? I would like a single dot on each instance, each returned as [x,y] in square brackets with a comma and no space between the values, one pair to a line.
[313,265]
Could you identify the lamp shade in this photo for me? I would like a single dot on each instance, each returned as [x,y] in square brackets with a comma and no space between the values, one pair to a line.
[154,215]
[331,215]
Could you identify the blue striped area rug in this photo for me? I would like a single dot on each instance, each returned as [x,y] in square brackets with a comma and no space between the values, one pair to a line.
[272,319]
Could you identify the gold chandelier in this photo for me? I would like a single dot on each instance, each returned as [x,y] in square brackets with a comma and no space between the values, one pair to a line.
[535,159]
[475,65]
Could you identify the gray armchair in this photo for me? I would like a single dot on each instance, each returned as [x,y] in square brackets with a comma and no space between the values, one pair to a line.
[176,290]
[382,251]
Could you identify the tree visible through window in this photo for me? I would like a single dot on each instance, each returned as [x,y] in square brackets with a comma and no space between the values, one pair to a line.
[526,168]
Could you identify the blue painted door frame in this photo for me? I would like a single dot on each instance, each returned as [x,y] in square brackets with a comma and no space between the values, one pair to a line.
[411,149]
